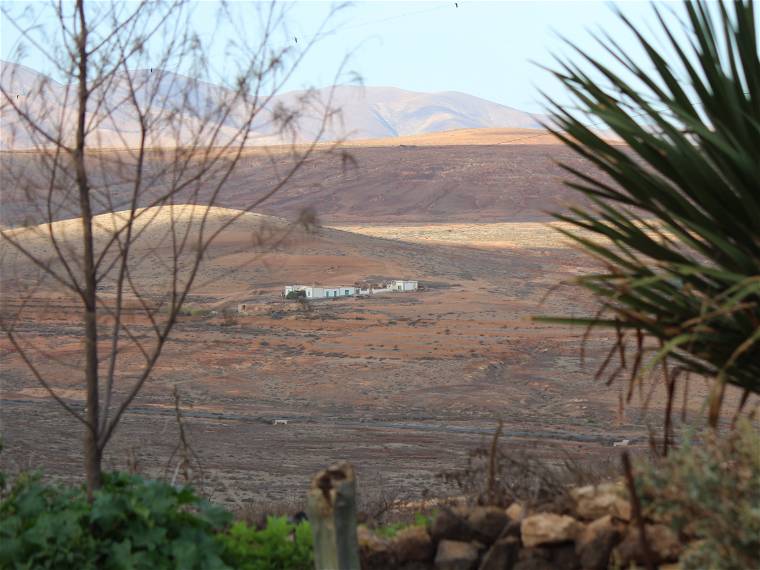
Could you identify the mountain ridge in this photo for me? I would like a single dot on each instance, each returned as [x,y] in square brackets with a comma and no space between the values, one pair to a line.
[366,112]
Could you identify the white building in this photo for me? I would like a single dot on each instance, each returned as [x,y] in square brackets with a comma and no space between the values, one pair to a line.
[319,292]
[402,285]
[332,292]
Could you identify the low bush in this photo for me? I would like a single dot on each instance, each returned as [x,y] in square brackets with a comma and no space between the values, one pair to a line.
[131,523]
[280,545]
[709,491]
[295,295]
[137,524]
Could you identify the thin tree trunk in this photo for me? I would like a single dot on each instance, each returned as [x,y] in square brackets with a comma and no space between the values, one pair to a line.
[92,451]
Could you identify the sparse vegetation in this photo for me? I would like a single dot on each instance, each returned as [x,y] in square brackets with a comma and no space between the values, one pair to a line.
[710,492]
[392,529]
[497,475]
[280,545]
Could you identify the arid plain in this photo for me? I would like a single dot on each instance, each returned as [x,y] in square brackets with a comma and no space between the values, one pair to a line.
[402,384]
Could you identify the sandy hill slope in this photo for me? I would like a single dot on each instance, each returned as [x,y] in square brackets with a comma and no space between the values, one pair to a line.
[255,255]
[254,251]
[459,137]
[420,184]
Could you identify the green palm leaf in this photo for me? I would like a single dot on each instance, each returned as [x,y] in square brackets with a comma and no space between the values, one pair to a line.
[676,222]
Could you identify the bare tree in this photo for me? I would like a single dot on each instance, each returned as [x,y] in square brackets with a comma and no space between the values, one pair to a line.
[122,133]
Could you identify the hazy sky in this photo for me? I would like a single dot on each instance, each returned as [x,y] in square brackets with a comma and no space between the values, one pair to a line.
[488,49]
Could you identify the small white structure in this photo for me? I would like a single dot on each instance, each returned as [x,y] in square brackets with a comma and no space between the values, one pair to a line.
[621,443]
[334,291]
[402,285]
[317,292]
[280,422]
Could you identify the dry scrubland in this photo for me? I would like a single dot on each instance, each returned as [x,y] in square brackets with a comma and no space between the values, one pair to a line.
[458,177]
[402,384]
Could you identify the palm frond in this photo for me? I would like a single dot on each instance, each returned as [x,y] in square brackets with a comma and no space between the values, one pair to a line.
[676,220]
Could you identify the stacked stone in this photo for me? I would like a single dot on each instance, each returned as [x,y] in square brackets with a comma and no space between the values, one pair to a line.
[596,534]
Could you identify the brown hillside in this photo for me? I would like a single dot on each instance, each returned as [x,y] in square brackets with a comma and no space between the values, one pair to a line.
[460,176]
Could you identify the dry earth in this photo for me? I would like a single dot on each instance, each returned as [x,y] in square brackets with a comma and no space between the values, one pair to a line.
[513,235]
[498,175]
[403,385]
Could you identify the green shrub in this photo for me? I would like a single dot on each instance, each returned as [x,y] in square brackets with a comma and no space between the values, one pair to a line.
[710,491]
[131,523]
[296,295]
[279,546]
[391,530]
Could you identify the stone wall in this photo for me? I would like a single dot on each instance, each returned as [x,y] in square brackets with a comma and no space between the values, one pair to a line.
[595,534]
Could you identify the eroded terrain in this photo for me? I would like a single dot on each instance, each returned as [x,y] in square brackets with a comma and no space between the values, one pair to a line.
[402,384]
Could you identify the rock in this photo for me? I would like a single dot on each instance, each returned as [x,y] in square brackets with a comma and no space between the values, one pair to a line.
[533,564]
[564,557]
[662,541]
[502,555]
[374,552]
[412,544]
[548,528]
[451,525]
[456,555]
[594,545]
[512,529]
[555,557]
[414,566]
[534,559]
[516,511]
[593,502]
[487,522]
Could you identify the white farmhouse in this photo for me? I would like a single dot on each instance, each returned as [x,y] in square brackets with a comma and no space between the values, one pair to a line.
[335,291]
[402,285]
[319,292]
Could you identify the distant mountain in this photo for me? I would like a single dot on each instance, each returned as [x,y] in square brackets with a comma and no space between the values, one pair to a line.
[366,112]
[379,112]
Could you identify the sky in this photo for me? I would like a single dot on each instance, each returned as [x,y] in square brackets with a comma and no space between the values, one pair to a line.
[492,50]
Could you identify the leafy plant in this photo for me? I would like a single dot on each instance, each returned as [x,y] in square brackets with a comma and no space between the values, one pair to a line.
[676,220]
[130,523]
[710,492]
[391,530]
[280,545]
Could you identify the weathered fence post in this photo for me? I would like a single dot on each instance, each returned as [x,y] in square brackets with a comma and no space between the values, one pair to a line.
[332,513]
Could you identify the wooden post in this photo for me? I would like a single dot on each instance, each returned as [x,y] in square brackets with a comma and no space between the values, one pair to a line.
[332,513]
